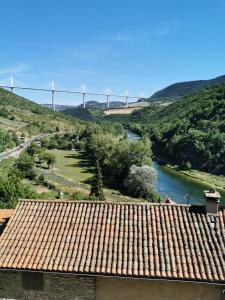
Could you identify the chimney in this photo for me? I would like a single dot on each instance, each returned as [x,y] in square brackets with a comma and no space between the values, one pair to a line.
[212,199]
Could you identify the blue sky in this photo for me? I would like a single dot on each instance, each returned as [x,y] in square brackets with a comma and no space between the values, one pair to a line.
[135,45]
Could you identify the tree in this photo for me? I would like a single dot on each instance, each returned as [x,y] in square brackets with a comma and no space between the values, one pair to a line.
[40,154]
[12,188]
[50,159]
[141,181]
[125,154]
[97,184]
[26,166]
[32,149]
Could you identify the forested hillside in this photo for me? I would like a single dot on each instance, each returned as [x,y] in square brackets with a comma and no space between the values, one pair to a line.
[176,91]
[87,114]
[189,133]
[22,115]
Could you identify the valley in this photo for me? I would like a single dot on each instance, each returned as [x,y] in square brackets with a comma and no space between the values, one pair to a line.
[178,128]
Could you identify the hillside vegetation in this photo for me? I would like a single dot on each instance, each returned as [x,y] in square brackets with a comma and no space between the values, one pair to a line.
[21,115]
[189,133]
[178,90]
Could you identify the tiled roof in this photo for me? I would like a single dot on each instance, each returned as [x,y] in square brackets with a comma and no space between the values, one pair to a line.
[5,214]
[136,240]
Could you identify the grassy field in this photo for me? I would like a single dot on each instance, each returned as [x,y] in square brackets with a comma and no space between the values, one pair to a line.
[72,170]
[72,165]
[210,179]
[217,181]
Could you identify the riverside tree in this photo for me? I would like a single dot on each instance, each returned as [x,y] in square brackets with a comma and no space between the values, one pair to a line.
[141,181]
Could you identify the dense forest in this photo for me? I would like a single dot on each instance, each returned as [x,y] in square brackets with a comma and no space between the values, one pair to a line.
[189,133]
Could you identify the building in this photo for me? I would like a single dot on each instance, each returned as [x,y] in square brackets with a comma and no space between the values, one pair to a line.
[113,251]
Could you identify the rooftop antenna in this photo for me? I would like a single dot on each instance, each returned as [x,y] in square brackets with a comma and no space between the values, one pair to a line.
[53,93]
[83,88]
[108,93]
[11,84]
[188,197]
[127,96]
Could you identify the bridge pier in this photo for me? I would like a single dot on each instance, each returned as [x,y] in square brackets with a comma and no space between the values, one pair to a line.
[84,103]
[53,95]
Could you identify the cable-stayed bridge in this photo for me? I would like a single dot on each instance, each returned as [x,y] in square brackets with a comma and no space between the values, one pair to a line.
[82,91]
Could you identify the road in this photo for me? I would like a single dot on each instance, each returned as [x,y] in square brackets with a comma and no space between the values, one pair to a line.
[17,150]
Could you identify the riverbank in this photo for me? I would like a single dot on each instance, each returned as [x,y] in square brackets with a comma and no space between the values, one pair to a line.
[211,180]
[177,184]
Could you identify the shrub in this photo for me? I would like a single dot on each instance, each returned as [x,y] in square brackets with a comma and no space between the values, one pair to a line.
[79,196]
[141,181]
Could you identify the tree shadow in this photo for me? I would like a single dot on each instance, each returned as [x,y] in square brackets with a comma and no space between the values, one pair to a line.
[83,163]
[42,167]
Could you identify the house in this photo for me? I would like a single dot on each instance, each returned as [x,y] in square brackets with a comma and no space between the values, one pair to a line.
[113,251]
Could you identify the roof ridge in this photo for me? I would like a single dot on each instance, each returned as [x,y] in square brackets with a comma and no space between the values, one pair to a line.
[101,202]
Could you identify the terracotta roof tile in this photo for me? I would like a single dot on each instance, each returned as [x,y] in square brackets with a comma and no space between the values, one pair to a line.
[138,240]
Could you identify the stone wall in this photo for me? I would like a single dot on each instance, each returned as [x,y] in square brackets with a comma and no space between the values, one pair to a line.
[60,287]
[133,289]
[69,287]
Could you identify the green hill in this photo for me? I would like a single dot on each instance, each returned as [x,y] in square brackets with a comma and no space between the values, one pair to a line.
[20,115]
[87,114]
[176,91]
[102,105]
[189,133]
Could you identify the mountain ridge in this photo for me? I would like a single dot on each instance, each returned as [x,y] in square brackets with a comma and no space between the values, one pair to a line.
[177,90]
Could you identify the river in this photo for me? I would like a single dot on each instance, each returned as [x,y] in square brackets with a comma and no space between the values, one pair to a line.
[175,185]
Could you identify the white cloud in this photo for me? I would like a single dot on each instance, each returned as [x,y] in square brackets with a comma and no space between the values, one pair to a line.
[161,32]
[120,37]
[17,68]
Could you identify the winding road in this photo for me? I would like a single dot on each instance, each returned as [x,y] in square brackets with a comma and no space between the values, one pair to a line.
[15,152]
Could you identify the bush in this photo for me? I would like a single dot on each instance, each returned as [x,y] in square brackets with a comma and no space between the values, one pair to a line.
[185,166]
[79,196]
[26,166]
[141,181]
[155,198]
[41,179]
[4,113]
[12,189]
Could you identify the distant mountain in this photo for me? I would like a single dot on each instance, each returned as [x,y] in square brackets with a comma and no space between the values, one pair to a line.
[58,107]
[178,90]
[102,105]
[89,104]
